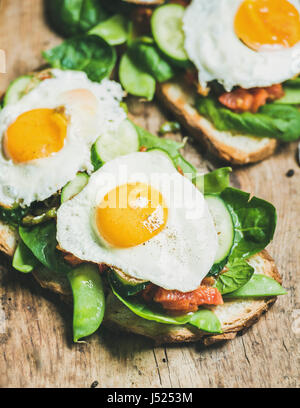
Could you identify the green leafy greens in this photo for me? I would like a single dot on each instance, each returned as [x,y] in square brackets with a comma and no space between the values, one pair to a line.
[238,274]
[148,57]
[273,120]
[41,240]
[254,220]
[203,319]
[90,54]
[73,17]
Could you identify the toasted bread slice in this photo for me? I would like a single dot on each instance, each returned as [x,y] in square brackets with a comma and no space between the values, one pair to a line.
[235,316]
[179,97]
[8,239]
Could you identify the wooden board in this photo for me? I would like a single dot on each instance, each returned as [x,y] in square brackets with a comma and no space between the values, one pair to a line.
[36,347]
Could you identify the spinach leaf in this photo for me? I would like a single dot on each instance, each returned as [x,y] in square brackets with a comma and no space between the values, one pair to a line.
[254,222]
[13,216]
[149,141]
[24,260]
[239,273]
[214,182]
[134,80]
[148,57]
[41,240]
[203,319]
[273,120]
[90,54]
[258,286]
[72,17]
[217,267]
[115,30]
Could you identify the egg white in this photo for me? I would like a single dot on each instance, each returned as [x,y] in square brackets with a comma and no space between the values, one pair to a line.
[179,257]
[213,46]
[36,180]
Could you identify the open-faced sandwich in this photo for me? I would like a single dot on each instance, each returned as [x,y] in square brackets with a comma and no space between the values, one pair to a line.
[226,68]
[113,217]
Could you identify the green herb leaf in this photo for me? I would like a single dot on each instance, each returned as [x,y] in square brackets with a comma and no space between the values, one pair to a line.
[239,273]
[254,221]
[90,54]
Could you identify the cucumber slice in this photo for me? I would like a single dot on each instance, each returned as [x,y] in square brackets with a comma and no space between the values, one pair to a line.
[17,89]
[74,187]
[166,25]
[125,284]
[224,226]
[113,144]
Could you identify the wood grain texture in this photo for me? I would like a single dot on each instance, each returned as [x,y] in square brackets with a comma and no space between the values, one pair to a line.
[35,326]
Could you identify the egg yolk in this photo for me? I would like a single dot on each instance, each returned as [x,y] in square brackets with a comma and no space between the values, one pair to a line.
[35,134]
[261,23]
[131,214]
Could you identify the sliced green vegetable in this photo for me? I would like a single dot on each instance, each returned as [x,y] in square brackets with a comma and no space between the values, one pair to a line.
[200,319]
[223,224]
[90,54]
[166,26]
[134,80]
[115,143]
[258,286]
[273,120]
[147,56]
[124,284]
[74,187]
[238,274]
[89,300]
[114,30]
[24,260]
[72,17]
[254,222]
[41,240]
[31,220]
[16,89]
[214,182]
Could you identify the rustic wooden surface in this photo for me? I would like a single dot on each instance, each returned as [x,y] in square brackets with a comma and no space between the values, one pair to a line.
[35,346]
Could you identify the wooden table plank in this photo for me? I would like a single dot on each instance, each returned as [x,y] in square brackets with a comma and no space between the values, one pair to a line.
[36,346]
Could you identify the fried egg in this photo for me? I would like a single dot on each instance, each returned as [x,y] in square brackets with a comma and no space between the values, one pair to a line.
[47,135]
[246,43]
[140,215]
